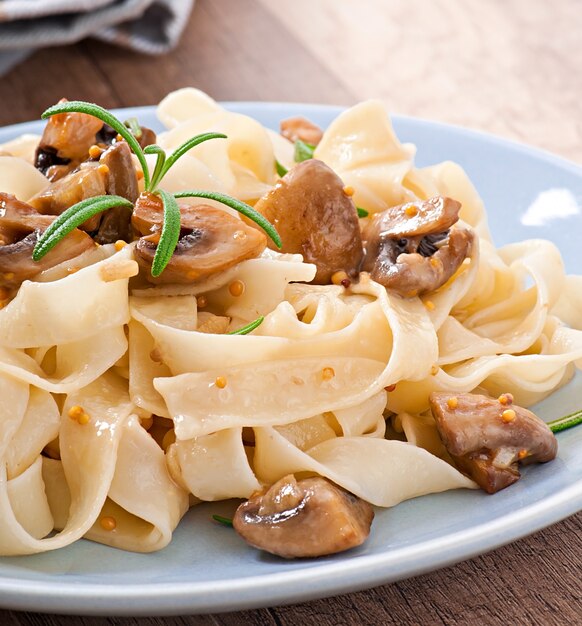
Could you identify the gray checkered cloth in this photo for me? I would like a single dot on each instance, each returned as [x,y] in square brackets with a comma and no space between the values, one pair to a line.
[150,26]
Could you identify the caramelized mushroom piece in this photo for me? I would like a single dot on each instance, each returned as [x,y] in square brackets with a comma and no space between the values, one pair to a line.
[114,173]
[315,218]
[488,437]
[211,241]
[66,139]
[86,182]
[16,264]
[18,219]
[415,248]
[121,180]
[20,226]
[306,518]
[294,128]
[147,137]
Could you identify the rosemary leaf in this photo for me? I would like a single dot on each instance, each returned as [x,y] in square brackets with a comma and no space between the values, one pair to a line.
[281,169]
[225,521]
[303,151]
[568,421]
[170,233]
[237,205]
[134,127]
[245,330]
[160,161]
[78,106]
[74,216]
[180,151]
[362,212]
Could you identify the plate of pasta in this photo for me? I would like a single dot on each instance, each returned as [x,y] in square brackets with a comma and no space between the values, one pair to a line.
[259,353]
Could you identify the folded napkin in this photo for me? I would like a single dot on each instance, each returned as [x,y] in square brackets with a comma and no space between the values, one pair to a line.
[150,26]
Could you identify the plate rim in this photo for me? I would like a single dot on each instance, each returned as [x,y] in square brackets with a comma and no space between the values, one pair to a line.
[327,579]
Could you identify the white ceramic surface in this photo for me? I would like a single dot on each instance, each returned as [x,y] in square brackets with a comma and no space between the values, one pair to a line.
[207,568]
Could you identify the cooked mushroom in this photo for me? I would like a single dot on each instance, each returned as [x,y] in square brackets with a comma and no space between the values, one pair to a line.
[306,518]
[316,218]
[121,180]
[20,226]
[211,241]
[114,173]
[86,182]
[66,139]
[294,128]
[18,219]
[415,248]
[488,437]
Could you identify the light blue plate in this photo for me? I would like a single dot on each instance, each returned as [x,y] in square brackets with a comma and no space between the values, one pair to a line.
[207,568]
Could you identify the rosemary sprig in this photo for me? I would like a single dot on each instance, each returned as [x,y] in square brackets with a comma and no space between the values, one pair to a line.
[568,421]
[303,151]
[134,127]
[281,169]
[237,205]
[245,330]
[225,521]
[180,151]
[78,213]
[158,167]
[170,232]
[73,217]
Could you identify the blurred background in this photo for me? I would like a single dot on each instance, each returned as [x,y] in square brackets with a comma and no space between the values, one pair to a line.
[509,67]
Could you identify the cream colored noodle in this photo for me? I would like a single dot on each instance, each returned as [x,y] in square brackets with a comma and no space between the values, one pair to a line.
[174,414]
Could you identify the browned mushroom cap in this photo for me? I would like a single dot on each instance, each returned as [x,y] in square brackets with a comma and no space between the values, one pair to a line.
[488,437]
[412,248]
[315,218]
[211,241]
[294,128]
[66,139]
[312,517]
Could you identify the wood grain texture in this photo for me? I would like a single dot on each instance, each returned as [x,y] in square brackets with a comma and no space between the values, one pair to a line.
[510,67]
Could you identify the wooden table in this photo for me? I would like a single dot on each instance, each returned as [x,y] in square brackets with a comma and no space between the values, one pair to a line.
[510,67]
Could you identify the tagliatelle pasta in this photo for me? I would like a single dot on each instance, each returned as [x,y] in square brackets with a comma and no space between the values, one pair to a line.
[123,403]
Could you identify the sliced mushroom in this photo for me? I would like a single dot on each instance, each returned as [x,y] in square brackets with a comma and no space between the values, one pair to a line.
[315,218]
[415,248]
[488,437]
[86,182]
[16,264]
[20,226]
[306,518]
[211,241]
[118,176]
[18,219]
[294,128]
[147,137]
[121,180]
[66,139]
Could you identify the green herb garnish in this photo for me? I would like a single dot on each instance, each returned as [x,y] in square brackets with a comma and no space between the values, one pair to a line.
[303,151]
[225,521]
[134,127]
[568,421]
[281,169]
[78,213]
[73,217]
[362,212]
[245,330]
